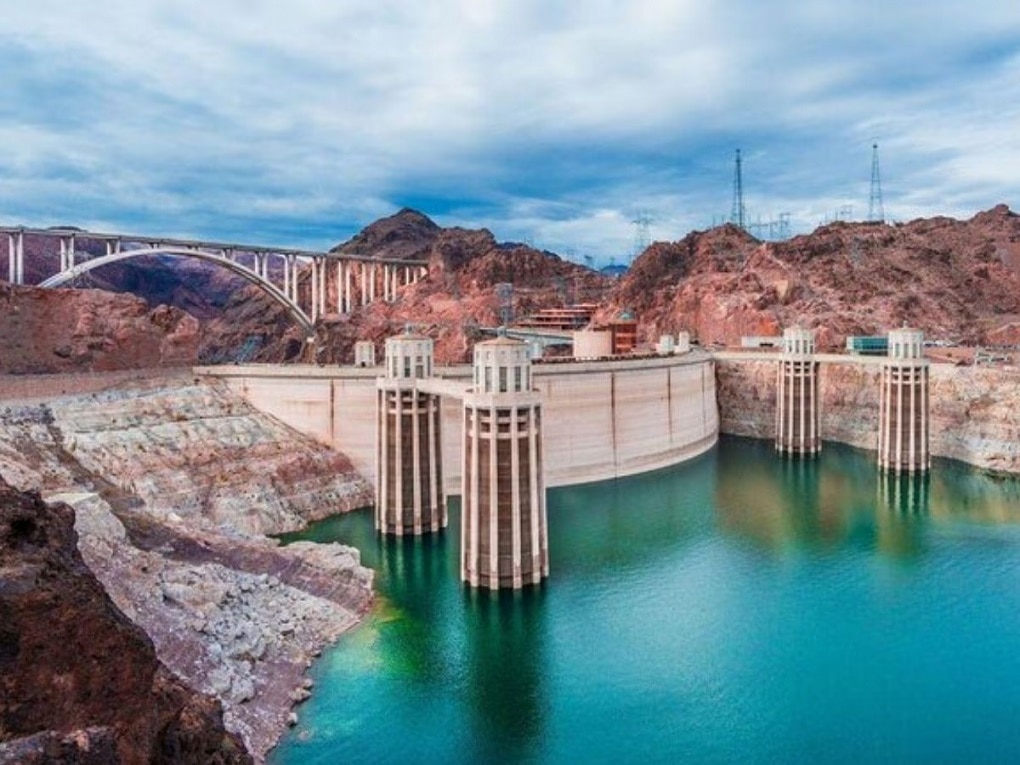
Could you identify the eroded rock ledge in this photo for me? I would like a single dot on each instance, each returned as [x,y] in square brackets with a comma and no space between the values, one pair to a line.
[174,487]
[79,682]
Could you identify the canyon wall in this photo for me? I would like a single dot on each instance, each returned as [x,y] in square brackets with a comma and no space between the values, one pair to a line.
[975,410]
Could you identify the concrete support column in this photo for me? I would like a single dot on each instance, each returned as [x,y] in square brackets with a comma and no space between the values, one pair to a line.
[10,258]
[323,285]
[347,288]
[409,457]
[491,502]
[340,287]
[371,283]
[903,405]
[798,414]
[314,289]
[504,538]
[382,462]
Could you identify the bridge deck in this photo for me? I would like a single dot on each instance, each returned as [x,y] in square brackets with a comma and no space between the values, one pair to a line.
[197,244]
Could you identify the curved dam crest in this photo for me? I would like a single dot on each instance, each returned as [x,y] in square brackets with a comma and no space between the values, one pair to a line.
[603,419]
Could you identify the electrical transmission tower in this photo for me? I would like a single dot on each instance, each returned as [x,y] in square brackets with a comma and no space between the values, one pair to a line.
[642,233]
[876,211]
[505,302]
[737,215]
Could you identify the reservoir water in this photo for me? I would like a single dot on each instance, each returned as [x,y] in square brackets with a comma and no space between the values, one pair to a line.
[738,608]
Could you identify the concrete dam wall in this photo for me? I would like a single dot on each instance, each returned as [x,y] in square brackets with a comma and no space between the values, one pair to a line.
[604,419]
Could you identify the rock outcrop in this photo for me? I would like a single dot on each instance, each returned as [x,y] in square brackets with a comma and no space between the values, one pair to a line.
[65,330]
[77,676]
[175,485]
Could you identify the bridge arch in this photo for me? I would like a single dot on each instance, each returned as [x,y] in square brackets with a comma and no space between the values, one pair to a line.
[241,270]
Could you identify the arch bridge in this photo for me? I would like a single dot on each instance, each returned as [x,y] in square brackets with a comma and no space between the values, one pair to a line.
[307,283]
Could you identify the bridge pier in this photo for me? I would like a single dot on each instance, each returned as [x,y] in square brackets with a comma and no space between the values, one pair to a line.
[323,284]
[67,253]
[409,485]
[347,289]
[504,530]
[313,289]
[798,410]
[16,257]
[903,408]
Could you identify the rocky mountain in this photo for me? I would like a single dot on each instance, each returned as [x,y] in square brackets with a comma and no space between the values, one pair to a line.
[407,235]
[956,280]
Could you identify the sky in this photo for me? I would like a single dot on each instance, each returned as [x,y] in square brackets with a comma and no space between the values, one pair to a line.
[554,123]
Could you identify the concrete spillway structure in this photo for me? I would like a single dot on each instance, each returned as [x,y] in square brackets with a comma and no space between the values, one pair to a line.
[409,481]
[504,532]
[798,407]
[903,408]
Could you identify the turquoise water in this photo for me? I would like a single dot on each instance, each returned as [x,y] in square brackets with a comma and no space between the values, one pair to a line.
[739,608]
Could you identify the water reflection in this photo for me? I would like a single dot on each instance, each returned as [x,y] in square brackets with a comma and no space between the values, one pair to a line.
[904,494]
[412,571]
[960,492]
[794,505]
[901,510]
[781,503]
[605,528]
[505,672]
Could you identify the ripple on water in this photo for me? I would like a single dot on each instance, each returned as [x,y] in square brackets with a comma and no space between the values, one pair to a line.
[737,608]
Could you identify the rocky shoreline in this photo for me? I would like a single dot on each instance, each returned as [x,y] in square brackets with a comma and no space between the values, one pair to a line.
[175,486]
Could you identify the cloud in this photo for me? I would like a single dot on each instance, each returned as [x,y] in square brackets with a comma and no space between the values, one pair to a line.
[299,123]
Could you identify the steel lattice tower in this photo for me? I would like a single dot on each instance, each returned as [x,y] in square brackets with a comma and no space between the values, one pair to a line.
[876,211]
[737,214]
[642,233]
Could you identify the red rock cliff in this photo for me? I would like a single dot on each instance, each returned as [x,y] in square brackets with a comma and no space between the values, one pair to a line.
[70,660]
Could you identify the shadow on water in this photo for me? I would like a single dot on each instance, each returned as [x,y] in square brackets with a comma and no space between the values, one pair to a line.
[602,528]
[505,672]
